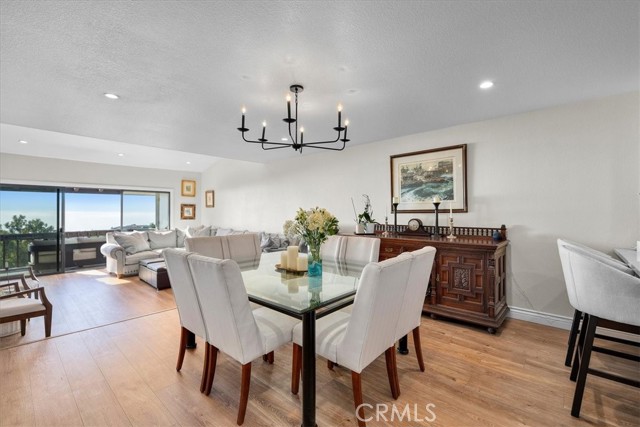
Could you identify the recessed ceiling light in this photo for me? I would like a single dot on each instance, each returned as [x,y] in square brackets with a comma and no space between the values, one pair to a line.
[22,141]
[284,139]
[188,163]
[120,154]
[487,84]
[111,96]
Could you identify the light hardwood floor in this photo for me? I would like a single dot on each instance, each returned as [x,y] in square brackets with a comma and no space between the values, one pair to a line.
[124,374]
[88,298]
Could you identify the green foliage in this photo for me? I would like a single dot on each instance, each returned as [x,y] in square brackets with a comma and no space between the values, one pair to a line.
[16,254]
[366,217]
[314,226]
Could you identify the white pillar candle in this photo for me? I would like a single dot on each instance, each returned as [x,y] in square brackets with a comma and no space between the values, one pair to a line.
[303,263]
[292,256]
[450,209]
[283,259]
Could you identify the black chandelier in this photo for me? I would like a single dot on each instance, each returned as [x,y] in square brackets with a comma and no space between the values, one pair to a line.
[269,145]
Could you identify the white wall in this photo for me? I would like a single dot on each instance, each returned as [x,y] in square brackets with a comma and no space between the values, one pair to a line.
[570,172]
[39,170]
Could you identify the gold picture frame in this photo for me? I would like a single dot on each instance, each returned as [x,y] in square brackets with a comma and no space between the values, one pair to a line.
[188,188]
[187,211]
[209,200]
[419,176]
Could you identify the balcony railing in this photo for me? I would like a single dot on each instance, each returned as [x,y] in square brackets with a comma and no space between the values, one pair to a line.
[81,248]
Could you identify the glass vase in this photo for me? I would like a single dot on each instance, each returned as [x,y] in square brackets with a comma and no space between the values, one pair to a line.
[315,261]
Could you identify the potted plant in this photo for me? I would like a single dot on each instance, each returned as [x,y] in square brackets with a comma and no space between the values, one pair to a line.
[364,220]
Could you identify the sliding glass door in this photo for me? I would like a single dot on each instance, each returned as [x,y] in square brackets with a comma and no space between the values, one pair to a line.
[53,228]
[30,228]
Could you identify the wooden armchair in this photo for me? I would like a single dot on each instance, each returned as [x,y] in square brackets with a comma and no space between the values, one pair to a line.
[14,306]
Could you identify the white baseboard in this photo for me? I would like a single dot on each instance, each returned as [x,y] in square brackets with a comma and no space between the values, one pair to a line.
[561,322]
[548,319]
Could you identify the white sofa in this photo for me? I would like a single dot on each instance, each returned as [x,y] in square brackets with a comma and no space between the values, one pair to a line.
[125,250]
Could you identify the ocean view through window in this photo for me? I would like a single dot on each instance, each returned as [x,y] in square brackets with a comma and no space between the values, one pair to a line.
[37,222]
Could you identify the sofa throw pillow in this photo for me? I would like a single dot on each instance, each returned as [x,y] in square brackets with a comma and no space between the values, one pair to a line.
[180,236]
[133,242]
[223,231]
[200,231]
[162,239]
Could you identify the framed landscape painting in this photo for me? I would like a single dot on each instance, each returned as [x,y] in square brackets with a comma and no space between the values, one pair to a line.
[188,188]
[187,211]
[416,178]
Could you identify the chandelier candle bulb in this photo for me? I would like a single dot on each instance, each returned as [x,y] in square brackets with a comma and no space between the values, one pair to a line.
[339,115]
[301,135]
[264,127]
[283,259]
[292,257]
[243,111]
[346,126]
[288,106]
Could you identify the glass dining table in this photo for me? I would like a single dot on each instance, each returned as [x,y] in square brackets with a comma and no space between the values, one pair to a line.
[306,298]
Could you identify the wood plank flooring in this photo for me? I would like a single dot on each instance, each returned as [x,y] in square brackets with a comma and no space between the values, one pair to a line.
[124,374]
[92,297]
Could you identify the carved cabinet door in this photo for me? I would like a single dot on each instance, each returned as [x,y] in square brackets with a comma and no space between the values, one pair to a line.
[461,280]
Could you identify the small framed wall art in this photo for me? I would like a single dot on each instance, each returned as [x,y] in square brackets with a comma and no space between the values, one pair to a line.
[209,201]
[187,211]
[188,188]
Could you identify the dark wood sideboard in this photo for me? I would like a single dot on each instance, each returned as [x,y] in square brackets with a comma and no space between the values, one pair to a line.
[468,279]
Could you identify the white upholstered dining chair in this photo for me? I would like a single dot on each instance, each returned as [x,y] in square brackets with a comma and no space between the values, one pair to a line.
[231,326]
[354,340]
[361,250]
[413,300]
[577,314]
[332,250]
[602,293]
[211,246]
[187,304]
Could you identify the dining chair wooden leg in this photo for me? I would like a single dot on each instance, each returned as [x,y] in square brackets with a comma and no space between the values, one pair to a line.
[395,371]
[205,368]
[23,327]
[182,349]
[211,370]
[270,357]
[575,367]
[356,383]
[296,365]
[330,365]
[584,365]
[47,323]
[573,335]
[418,346]
[388,356]
[244,392]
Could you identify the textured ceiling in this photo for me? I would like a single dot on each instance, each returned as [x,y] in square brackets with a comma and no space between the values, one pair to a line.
[184,69]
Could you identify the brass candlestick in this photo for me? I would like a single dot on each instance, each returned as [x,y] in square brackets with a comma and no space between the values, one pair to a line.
[451,235]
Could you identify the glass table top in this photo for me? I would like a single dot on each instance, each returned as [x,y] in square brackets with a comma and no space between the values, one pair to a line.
[297,293]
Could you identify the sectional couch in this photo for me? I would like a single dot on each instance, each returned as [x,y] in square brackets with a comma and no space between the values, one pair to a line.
[125,250]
